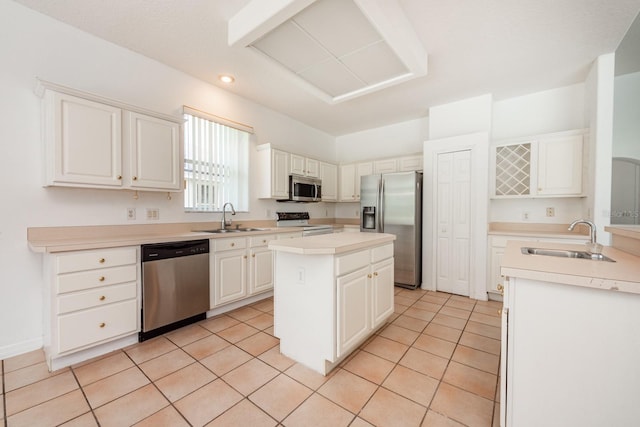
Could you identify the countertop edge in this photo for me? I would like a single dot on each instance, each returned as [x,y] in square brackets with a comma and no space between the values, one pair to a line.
[296,246]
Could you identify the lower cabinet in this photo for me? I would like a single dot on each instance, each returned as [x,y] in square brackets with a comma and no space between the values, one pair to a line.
[365,300]
[92,300]
[497,244]
[240,267]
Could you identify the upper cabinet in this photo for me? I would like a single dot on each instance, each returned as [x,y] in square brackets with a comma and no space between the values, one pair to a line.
[542,166]
[305,166]
[329,177]
[274,167]
[91,142]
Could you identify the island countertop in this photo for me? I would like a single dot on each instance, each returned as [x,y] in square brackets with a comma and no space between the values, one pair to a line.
[330,244]
[622,275]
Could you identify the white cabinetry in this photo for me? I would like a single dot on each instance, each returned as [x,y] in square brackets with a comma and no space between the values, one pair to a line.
[274,169]
[385,166]
[543,166]
[410,163]
[92,300]
[350,180]
[342,298]
[155,152]
[98,143]
[304,166]
[240,267]
[329,177]
[571,350]
[497,245]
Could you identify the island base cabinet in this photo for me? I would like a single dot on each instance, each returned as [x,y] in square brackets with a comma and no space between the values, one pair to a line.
[327,305]
[571,355]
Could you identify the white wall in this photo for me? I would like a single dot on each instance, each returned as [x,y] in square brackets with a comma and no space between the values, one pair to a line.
[626,119]
[34,45]
[387,141]
[549,111]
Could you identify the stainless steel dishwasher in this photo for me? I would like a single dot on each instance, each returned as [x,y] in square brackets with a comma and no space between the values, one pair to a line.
[175,285]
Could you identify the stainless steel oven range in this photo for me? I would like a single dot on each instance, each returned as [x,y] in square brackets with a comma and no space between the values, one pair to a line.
[301,219]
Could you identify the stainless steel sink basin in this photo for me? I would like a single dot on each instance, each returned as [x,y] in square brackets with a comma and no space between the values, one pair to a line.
[233,230]
[561,253]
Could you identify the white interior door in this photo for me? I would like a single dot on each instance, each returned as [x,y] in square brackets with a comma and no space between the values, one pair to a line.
[453,222]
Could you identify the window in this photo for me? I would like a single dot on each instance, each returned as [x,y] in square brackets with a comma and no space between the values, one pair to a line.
[216,162]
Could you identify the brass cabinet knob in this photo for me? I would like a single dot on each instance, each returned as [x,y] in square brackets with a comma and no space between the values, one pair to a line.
[245,257]
[119,177]
[102,298]
[264,240]
[375,274]
[500,311]
[102,325]
[369,276]
[101,278]
[253,255]
[500,287]
[233,244]
[135,178]
[101,260]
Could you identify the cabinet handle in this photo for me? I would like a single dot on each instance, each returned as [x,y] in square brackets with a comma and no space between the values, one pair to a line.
[500,311]
[233,244]
[375,274]
[119,177]
[369,276]
[101,260]
[500,287]
[264,241]
[135,178]
[102,298]
[101,278]
[102,325]
[253,255]
[245,257]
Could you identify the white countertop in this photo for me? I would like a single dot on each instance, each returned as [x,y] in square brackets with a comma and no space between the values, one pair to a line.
[622,275]
[76,243]
[330,244]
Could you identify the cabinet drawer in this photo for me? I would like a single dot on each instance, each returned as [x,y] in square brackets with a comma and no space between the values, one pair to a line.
[292,235]
[257,241]
[88,260]
[95,278]
[229,244]
[351,262]
[96,297]
[381,252]
[97,324]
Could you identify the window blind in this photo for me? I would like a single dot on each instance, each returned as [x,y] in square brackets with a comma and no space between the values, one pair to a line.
[216,164]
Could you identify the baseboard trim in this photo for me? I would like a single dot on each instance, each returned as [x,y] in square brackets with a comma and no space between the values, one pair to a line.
[17,349]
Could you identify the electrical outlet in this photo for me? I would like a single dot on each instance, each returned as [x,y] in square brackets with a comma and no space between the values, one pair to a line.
[131,214]
[300,275]
[153,214]
[551,212]
[525,216]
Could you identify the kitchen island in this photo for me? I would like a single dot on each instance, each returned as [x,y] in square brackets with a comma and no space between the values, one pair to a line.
[331,292]
[570,338]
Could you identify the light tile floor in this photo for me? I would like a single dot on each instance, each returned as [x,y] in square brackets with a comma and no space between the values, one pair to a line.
[434,364]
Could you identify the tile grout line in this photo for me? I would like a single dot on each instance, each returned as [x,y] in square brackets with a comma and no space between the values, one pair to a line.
[4,395]
[83,395]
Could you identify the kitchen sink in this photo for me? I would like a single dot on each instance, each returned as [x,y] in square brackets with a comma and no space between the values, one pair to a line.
[232,230]
[561,253]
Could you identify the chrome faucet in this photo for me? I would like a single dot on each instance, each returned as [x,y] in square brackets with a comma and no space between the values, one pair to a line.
[591,225]
[225,222]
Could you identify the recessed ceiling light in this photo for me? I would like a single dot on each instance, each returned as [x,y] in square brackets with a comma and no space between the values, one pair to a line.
[226,78]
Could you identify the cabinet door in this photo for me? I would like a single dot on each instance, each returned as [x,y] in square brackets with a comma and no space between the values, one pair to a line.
[353,308]
[385,166]
[560,165]
[230,276]
[155,152]
[411,163]
[298,165]
[329,177]
[495,278]
[312,168]
[347,183]
[84,142]
[381,292]
[279,174]
[261,270]
[361,170]
[512,170]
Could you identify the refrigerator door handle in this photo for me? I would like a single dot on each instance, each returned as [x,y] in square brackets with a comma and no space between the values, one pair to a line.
[381,206]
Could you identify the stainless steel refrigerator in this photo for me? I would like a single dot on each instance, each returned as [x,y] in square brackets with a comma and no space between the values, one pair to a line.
[392,203]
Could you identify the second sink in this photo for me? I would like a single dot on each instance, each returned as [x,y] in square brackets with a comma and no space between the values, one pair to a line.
[561,253]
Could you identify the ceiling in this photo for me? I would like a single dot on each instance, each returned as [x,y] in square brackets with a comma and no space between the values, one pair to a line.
[507,48]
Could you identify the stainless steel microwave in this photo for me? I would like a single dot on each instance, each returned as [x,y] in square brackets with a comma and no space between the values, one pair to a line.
[304,189]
